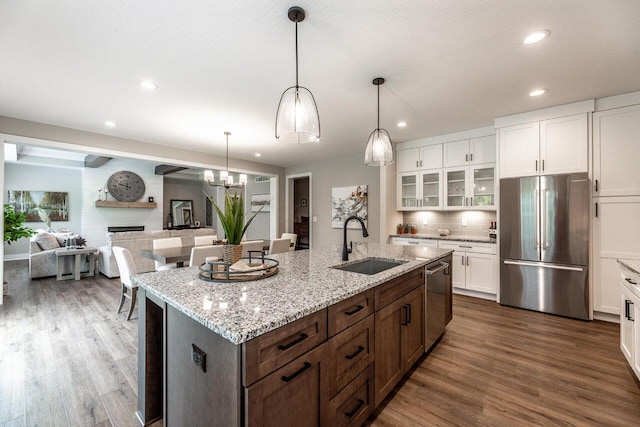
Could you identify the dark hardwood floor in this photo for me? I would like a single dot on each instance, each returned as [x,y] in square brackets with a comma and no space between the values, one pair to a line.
[67,359]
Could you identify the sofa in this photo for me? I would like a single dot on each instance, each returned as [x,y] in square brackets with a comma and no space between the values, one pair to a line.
[42,255]
[135,241]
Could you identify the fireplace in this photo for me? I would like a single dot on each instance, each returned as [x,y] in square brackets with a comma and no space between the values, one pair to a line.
[125,228]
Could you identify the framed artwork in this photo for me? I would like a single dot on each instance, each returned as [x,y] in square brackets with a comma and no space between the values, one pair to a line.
[208,212]
[303,203]
[31,203]
[348,201]
[182,212]
[259,200]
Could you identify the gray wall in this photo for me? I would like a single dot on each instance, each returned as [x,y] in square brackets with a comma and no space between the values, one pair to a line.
[341,172]
[38,178]
[184,189]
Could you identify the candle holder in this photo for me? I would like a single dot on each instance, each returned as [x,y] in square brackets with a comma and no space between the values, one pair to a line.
[106,193]
[99,192]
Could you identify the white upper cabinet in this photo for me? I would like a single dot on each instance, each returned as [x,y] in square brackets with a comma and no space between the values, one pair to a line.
[421,158]
[544,148]
[470,151]
[519,150]
[563,145]
[616,150]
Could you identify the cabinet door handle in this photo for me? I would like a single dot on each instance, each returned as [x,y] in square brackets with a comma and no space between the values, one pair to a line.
[417,164]
[306,366]
[354,311]
[471,157]
[536,166]
[405,315]
[467,260]
[298,340]
[357,352]
[463,260]
[352,412]
[596,185]
[542,165]
[408,313]
[627,309]
[420,163]
[596,210]
[471,201]
[466,157]
[630,280]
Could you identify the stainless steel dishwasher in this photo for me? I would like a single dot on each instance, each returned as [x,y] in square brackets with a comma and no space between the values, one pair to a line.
[438,284]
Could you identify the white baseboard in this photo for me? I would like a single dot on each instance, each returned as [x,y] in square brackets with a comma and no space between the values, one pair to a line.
[606,317]
[475,294]
[15,257]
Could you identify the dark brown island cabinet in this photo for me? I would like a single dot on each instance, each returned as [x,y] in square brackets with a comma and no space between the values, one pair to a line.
[330,368]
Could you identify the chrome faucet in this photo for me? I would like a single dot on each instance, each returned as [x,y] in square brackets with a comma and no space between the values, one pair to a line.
[346,251]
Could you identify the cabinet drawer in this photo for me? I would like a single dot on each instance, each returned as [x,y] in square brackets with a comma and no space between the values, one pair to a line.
[481,248]
[347,312]
[350,352]
[272,350]
[293,395]
[398,287]
[353,405]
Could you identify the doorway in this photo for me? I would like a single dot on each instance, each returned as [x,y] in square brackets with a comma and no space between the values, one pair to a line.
[299,208]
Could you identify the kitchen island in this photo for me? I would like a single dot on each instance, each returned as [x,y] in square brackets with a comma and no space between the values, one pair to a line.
[300,346]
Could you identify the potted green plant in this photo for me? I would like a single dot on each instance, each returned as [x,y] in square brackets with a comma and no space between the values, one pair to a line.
[14,230]
[233,223]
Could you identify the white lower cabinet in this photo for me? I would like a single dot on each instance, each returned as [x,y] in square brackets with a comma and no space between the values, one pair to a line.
[475,266]
[630,319]
[615,235]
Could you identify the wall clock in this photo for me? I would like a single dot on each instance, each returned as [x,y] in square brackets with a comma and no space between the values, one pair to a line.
[126,186]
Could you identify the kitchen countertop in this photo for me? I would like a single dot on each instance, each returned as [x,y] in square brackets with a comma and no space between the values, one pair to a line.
[304,284]
[631,264]
[475,239]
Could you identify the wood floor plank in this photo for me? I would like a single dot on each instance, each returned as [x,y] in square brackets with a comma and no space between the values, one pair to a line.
[121,405]
[44,404]
[11,385]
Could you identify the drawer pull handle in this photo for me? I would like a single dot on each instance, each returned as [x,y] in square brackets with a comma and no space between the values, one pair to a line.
[628,279]
[294,342]
[306,366]
[355,410]
[358,351]
[467,247]
[354,311]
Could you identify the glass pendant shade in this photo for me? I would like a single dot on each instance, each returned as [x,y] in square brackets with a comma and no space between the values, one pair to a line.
[379,150]
[224,175]
[243,179]
[297,119]
[208,176]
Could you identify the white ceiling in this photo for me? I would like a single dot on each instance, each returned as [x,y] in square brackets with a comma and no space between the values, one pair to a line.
[449,65]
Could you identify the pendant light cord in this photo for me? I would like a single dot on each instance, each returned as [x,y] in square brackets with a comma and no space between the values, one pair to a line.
[296,51]
[378,107]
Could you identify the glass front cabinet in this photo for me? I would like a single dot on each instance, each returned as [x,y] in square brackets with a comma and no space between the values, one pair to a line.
[470,187]
[420,190]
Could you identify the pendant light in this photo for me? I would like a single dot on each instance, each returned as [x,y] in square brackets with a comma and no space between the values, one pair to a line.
[225,178]
[297,118]
[379,150]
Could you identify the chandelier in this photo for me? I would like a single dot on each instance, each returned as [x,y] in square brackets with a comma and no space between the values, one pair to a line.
[226,180]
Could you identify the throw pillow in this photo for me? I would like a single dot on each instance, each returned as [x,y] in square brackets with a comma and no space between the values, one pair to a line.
[47,241]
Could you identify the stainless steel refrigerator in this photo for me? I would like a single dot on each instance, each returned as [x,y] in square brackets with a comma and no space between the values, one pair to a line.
[544,244]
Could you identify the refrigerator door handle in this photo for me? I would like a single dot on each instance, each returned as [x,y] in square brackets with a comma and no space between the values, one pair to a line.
[542,265]
[536,218]
[543,225]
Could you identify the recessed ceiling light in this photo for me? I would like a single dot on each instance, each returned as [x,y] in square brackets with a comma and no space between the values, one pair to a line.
[402,124]
[148,85]
[110,124]
[536,36]
[258,155]
[537,92]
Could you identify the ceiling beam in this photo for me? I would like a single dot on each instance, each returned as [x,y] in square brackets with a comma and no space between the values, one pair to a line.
[167,169]
[91,161]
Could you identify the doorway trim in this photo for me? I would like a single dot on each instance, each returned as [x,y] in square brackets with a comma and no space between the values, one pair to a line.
[289,202]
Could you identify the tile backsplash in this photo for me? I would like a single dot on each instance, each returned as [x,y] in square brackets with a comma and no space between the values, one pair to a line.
[478,222]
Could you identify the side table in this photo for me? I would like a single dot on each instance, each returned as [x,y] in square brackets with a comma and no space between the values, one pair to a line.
[77,253]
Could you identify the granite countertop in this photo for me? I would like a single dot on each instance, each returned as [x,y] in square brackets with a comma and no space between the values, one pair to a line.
[304,284]
[475,239]
[631,264]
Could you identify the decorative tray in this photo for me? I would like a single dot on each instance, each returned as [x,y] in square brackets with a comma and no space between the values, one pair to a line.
[247,269]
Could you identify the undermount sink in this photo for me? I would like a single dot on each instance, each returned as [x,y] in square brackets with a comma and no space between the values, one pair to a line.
[369,266]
